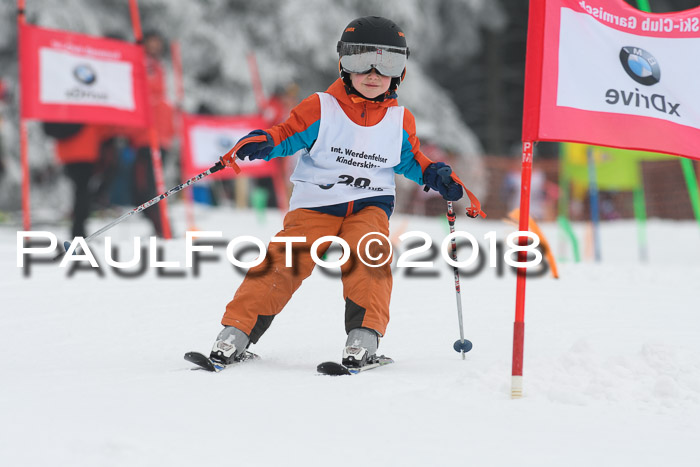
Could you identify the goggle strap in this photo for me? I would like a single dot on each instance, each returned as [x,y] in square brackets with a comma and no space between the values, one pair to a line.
[353,46]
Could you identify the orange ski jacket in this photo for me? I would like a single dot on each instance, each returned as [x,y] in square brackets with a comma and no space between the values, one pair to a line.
[300,131]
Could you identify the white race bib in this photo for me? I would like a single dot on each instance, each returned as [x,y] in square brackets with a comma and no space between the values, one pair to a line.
[348,161]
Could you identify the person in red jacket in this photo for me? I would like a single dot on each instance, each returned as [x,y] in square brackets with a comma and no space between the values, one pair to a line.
[82,150]
[354,138]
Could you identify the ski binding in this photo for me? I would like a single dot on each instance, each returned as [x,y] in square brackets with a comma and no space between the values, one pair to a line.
[205,363]
[338,369]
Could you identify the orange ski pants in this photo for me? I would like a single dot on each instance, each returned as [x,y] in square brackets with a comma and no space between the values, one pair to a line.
[268,287]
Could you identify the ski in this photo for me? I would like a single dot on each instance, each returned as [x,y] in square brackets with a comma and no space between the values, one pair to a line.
[337,369]
[205,363]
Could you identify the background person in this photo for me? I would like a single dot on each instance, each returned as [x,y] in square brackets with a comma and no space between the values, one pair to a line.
[85,152]
[143,182]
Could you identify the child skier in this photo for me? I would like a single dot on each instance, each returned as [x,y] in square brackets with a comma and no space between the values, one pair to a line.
[354,138]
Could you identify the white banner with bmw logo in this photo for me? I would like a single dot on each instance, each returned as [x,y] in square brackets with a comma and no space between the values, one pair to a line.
[602,72]
[67,77]
[627,73]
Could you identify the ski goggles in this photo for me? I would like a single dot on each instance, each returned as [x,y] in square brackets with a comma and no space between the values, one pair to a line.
[361,58]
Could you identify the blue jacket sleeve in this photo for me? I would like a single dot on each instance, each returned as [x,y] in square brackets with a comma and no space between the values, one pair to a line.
[299,131]
[409,166]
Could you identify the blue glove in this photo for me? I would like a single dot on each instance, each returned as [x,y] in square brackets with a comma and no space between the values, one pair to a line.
[437,177]
[255,150]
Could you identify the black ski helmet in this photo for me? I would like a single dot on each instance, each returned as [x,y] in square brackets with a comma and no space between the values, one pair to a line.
[372,30]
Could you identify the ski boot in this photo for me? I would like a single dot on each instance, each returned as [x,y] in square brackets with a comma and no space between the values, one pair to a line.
[230,347]
[360,348]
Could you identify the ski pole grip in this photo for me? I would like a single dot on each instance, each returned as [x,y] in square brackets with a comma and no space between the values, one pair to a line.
[446,174]
[216,167]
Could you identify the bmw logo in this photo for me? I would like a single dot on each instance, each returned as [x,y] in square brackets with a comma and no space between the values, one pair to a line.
[640,65]
[85,74]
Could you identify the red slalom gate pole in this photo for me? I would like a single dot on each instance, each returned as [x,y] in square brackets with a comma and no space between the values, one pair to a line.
[160,183]
[152,132]
[135,21]
[23,154]
[180,96]
[24,158]
[516,388]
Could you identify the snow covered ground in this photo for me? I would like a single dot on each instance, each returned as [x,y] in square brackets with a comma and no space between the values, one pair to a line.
[92,371]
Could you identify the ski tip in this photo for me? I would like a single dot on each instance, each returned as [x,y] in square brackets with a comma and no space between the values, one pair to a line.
[202,361]
[332,369]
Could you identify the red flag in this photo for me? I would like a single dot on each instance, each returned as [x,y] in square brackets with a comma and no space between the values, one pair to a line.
[602,72]
[67,77]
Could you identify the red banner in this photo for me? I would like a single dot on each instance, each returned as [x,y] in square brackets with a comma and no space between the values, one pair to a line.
[601,72]
[67,77]
[207,138]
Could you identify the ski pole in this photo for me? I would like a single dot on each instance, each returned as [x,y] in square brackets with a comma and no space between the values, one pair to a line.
[215,168]
[461,345]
